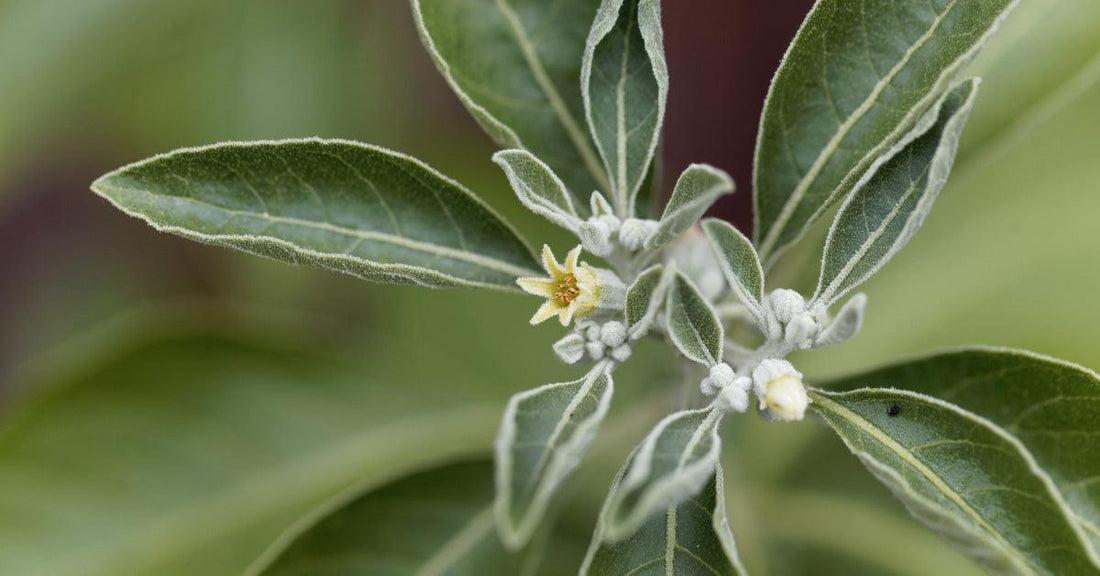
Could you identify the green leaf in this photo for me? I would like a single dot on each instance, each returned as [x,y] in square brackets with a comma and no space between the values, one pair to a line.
[693,324]
[644,299]
[538,188]
[671,465]
[690,539]
[624,82]
[963,476]
[889,205]
[189,453]
[543,437]
[515,64]
[739,264]
[438,521]
[1051,407]
[334,204]
[698,187]
[857,78]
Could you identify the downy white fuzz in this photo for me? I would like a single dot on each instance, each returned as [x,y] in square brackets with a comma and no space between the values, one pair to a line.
[780,391]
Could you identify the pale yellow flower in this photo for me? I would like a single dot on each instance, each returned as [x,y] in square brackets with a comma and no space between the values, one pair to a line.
[571,291]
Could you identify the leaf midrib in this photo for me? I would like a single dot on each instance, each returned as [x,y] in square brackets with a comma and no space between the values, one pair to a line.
[426,247]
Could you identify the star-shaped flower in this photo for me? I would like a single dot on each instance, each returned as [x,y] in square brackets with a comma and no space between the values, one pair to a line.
[571,290]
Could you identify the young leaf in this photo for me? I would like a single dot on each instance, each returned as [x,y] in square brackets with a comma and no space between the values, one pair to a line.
[340,205]
[624,83]
[856,78]
[698,187]
[964,477]
[545,433]
[693,324]
[889,205]
[739,264]
[1051,407]
[538,188]
[644,299]
[516,66]
[438,521]
[690,539]
[670,466]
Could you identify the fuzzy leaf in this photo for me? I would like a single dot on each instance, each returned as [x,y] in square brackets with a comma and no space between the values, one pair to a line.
[544,435]
[515,64]
[693,324]
[887,208]
[389,529]
[624,83]
[344,206]
[671,465]
[963,476]
[644,299]
[690,539]
[739,263]
[698,187]
[1050,406]
[538,188]
[857,78]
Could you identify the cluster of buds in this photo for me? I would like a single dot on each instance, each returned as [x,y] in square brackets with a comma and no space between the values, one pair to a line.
[603,230]
[801,326]
[594,340]
[777,385]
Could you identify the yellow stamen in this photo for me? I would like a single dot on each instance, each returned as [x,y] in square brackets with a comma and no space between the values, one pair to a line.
[567,289]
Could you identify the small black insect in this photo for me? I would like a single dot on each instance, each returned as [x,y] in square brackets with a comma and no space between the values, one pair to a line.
[893,410]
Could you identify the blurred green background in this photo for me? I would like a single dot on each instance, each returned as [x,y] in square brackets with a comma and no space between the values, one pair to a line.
[169,408]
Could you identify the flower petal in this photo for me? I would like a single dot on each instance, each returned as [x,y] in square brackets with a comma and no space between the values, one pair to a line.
[538,286]
[571,259]
[550,263]
[548,309]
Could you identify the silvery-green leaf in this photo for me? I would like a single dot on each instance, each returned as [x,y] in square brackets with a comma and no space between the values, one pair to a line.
[846,324]
[739,263]
[857,78]
[889,205]
[698,187]
[671,465]
[538,188]
[624,83]
[340,205]
[515,64]
[644,299]
[693,324]
[690,539]
[435,522]
[186,454]
[1050,406]
[543,436]
[964,476]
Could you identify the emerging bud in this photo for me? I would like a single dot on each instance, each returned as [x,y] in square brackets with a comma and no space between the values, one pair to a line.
[779,388]
[634,232]
[786,304]
[732,399]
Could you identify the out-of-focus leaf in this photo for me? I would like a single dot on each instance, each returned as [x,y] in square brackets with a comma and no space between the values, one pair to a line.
[857,78]
[887,208]
[963,476]
[516,65]
[190,454]
[544,435]
[1050,406]
[689,539]
[344,206]
[698,187]
[693,324]
[624,83]
[671,465]
[437,521]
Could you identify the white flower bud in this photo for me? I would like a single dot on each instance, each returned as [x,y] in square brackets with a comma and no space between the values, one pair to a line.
[801,331]
[621,353]
[732,399]
[722,375]
[779,388]
[634,232]
[613,334]
[595,350]
[608,221]
[595,237]
[708,387]
[570,349]
[786,304]
[592,332]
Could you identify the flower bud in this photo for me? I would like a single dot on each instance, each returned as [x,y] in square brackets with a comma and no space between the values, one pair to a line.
[613,334]
[779,388]
[634,232]
[786,304]
[621,353]
[722,375]
[595,350]
[595,237]
[732,399]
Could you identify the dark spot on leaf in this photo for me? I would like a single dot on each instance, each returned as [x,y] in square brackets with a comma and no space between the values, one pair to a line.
[893,410]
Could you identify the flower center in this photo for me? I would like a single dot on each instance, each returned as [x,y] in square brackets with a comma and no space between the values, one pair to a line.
[566,290]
